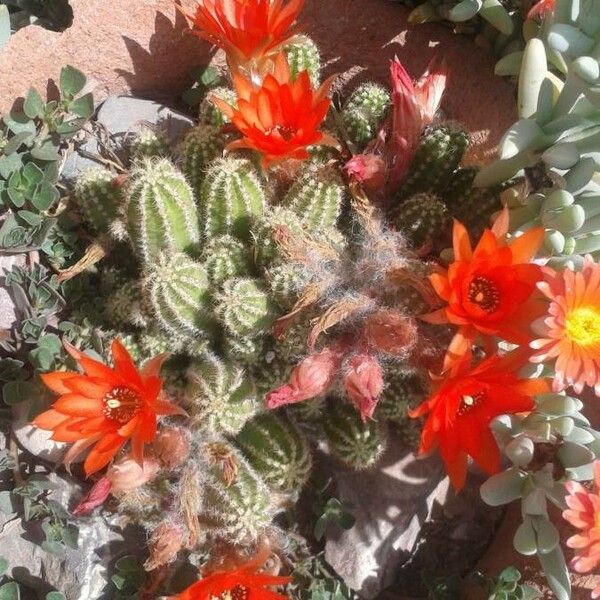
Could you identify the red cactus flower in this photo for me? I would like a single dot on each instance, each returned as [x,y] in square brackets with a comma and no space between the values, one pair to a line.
[105,408]
[248,30]
[280,118]
[489,290]
[539,9]
[311,378]
[363,383]
[465,403]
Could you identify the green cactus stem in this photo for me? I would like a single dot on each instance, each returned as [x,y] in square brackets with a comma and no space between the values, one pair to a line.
[225,257]
[149,144]
[364,113]
[303,55]
[209,113]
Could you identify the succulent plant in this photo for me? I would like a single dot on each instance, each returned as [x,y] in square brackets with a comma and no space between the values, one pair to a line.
[356,444]
[221,396]
[177,293]
[316,196]
[225,257]
[277,451]
[231,195]
[149,143]
[209,113]
[125,306]
[98,199]
[285,282]
[364,112]
[303,55]
[161,212]
[403,391]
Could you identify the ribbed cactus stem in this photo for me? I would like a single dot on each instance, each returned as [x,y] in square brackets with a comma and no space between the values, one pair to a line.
[125,306]
[285,281]
[225,257]
[202,144]
[403,391]
[149,144]
[244,350]
[244,308]
[364,113]
[239,511]
[177,290]
[356,444]
[303,55]
[209,113]
[221,396]
[98,199]
[317,196]
[230,197]
[161,213]
[423,219]
[277,451]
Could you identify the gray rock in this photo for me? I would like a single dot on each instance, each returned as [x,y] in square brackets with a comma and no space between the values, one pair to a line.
[82,574]
[7,308]
[123,115]
[391,503]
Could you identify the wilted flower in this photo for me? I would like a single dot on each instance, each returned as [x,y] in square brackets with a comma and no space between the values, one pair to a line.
[584,514]
[164,544]
[96,497]
[369,170]
[280,118]
[171,447]
[390,331]
[248,30]
[363,383]
[571,329]
[127,474]
[312,377]
[105,407]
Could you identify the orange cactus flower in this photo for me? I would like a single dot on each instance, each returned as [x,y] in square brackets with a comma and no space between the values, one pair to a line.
[280,118]
[105,407]
[489,290]
[583,512]
[243,583]
[571,329]
[466,402]
[248,30]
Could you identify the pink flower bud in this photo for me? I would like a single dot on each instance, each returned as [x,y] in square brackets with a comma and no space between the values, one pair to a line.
[96,497]
[171,446]
[429,90]
[364,383]
[164,544]
[369,170]
[390,331]
[126,474]
[312,377]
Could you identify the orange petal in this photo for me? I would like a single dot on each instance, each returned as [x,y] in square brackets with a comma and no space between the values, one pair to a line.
[124,364]
[79,406]
[500,226]
[461,242]
[525,247]
[96,460]
[49,419]
[55,380]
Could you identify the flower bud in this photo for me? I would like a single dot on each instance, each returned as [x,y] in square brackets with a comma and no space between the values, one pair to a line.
[363,383]
[390,331]
[171,447]
[96,497]
[126,474]
[312,377]
[164,544]
[369,170]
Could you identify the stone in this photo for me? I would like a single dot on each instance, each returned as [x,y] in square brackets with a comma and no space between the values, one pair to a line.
[142,47]
[82,574]
[390,503]
[8,315]
[121,116]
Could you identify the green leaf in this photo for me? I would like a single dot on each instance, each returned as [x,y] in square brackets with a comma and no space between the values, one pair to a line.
[128,564]
[84,106]
[4,26]
[48,151]
[16,141]
[10,591]
[55,596]
[32,173]
[14,392]
[119,581]
[320,527]
[34,105]
[72,81]
[18,122]
[193,96]
[209,76]
[31,218]
[55,548]
[45,196]
[8,503]
[16,197]
[557,574]
[510,574]
[3,566]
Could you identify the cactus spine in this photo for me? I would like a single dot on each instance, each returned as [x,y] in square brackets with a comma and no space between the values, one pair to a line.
[149,144]
[244,308]
[364,113]
[209,113]
[316,197]
[222,397]
[285,281]
[98,199]
[124,307]
[356,444]
[403,390]
[230,196]
[225,257]
[177,291]
[303,55]
[202,145]
[277,451]
[161,212]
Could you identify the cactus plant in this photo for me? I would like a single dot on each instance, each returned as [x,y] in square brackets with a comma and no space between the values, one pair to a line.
[177,293]
[423,219]
[209,113]
[316,197]
[303,55]
[403,390]
[149,144]
[244,308]
[356,444]
[98,199]
[240,511]
[230,196]
[277,451]
[225,257]
[242,349]
[161,212]
[202,144]
[221,396]
[285,282]
[125,306]
[364,112]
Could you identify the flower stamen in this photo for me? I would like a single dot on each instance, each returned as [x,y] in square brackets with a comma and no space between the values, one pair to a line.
[583,325]
[121,404]
[484,293]
[469,402]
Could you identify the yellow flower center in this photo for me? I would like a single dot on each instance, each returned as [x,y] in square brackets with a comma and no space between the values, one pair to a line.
[121,404]
[469,402]
[583,325]
[484,293]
